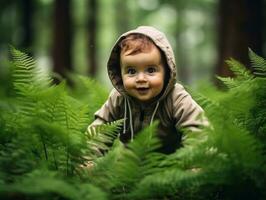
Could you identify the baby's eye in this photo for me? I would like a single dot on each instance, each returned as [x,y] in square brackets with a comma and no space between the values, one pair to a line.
[131,71]
[151,70]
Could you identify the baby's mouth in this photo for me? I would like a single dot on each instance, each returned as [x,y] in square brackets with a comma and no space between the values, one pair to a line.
[142,90]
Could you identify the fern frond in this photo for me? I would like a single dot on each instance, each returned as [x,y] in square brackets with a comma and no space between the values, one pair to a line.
[145,142]
[228,81]
[136,161]
[97,94]
[204,101]
[71,115]
[239,70]
[167,184]
[123,166]
[101,172]
[90,92]
[43,184]
[258,64]
[203,166]
[28,81]
[26,72]
[101,135]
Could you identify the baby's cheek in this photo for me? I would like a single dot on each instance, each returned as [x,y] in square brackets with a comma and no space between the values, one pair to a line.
[158,82]
[128,84]
[157,87]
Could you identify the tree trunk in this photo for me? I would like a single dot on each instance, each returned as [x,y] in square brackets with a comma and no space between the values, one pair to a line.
[27,16]
[62,44]
[122,15]
[181,58]
[92,36]
[240,27]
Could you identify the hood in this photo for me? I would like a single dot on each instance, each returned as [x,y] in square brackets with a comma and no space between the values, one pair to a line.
[160,40]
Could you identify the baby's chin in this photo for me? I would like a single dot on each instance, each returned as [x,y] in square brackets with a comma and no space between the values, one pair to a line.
[148,100]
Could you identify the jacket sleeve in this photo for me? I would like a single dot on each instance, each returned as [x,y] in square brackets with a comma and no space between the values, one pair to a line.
[109,111]
[187,113]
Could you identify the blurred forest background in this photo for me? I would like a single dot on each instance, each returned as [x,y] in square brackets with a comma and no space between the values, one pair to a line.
[43,144]
[76,36]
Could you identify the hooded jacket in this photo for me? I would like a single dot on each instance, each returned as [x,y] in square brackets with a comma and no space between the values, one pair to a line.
[174,109]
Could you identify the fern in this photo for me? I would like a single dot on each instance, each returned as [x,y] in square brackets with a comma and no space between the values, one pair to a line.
[221,162]
[26,74]
[45,184]
[44,130]
[258,64]
[124,166]
[240,72]
[45,148]
[99,140]
[28,81]
[90,92]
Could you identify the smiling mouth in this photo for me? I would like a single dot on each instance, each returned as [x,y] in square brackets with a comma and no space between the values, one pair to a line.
[142,90]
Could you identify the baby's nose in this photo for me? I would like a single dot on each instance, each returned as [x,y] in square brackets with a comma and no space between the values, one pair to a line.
[141,77]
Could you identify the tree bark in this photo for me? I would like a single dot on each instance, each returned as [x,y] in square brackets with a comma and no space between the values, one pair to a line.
[122,14]
[27,16]
[62,58]
[181,59]
[92,37]
[240,27]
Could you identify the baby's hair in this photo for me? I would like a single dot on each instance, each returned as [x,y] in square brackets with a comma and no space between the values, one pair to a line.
[135,43]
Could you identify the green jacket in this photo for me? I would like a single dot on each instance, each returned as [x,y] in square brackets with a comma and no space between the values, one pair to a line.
[174,109]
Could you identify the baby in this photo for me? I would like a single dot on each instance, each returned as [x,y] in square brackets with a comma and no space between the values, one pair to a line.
[142,70]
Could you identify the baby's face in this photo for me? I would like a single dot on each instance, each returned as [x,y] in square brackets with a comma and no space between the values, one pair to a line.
[143,74]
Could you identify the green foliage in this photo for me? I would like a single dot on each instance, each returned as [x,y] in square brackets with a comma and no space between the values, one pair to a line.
[43,135]
[89,92]
[46,152]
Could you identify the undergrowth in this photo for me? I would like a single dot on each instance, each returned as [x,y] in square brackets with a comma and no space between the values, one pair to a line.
[46,153]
